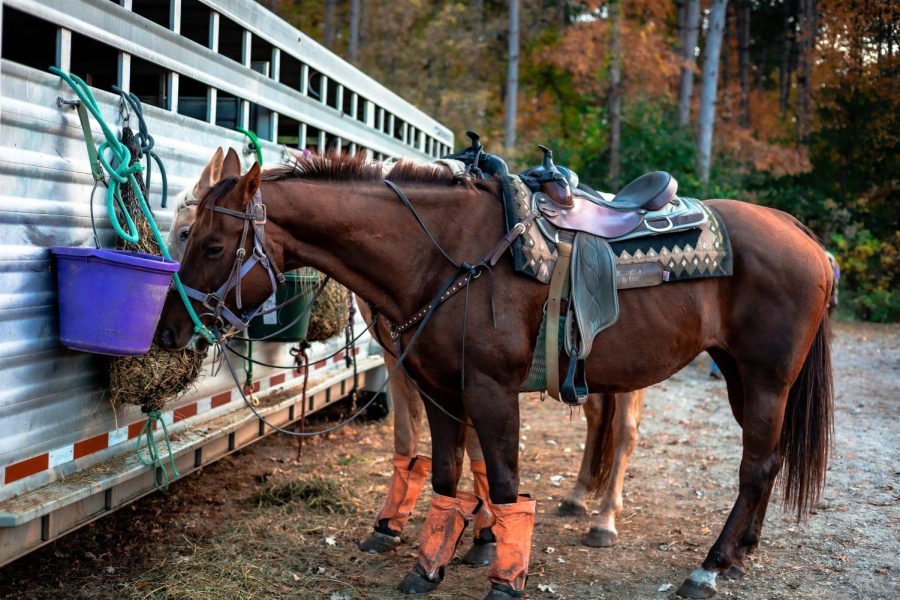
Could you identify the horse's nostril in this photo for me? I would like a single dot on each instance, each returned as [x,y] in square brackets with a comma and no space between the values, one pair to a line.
[167,337]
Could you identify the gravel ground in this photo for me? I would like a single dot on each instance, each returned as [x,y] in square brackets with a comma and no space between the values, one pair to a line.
[218,534]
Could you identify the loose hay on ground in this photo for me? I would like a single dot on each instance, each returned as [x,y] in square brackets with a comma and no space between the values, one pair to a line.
[321,494]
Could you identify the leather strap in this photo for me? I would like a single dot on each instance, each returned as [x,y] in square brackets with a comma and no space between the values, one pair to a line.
[558,284]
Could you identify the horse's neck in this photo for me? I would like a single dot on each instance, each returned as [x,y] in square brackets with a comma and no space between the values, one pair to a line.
[366,239]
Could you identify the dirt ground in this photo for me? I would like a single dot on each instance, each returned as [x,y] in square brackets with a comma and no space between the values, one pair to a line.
[212,537]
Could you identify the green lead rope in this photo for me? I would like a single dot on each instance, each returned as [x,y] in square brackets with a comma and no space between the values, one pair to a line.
[123,173]
[161,476]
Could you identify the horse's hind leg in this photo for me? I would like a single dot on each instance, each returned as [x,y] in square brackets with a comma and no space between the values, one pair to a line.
[410,470]
[574,504]
[627,418]
[450,510]
[763,414]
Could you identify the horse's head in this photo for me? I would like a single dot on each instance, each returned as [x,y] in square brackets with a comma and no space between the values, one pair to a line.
[214,252]
[186,205]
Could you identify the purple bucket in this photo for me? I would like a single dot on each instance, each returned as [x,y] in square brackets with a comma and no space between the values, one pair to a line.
[110,300]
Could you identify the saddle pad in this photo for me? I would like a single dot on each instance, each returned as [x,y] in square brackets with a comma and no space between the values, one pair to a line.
[536,380]
[593,300]
[532,254]
[685,255]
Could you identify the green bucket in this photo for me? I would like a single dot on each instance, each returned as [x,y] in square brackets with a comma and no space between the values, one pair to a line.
[303,282]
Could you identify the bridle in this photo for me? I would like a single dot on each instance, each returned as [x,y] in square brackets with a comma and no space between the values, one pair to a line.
[254,218]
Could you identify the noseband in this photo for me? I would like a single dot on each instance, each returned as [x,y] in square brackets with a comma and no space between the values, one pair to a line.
[254,216]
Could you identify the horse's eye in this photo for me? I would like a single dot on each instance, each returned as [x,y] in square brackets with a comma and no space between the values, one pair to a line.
[214,251]
[184,234]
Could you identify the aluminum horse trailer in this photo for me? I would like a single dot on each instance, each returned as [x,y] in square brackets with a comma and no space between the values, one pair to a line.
[201,68]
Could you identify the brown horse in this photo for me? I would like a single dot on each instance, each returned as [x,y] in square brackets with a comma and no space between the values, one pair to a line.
[602,471]
[766,326]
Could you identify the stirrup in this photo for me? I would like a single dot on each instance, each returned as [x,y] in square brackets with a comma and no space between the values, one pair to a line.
[574,390]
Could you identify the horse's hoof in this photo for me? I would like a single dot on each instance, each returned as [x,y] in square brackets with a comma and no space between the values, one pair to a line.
[480,554]
[569,508]
[700,584]
[378,542]
[733,574]
[597,537]
[502,592]
[417,583]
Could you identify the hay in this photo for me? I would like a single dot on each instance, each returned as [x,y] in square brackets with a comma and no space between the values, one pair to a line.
[329,314]
[158,376]
[153,379]
[321,494]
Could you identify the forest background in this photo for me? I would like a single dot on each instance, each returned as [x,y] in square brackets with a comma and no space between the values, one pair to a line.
[806,98]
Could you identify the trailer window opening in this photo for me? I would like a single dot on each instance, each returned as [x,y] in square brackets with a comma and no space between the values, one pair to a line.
[95,62]
[398,130]
[288,132]
[261,121]
[28,40]
[312,138]
[360,108]
[315,85]
[231,39]
[195,21]
[149,82]
[261,56]
[152,10]
[227,110]
[332,94]
[348,104]
[193,99]
[290,71]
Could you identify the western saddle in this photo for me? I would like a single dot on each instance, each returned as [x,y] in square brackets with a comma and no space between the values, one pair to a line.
[581,222]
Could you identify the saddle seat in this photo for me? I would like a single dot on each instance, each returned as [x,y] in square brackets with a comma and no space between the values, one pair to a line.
[614,218]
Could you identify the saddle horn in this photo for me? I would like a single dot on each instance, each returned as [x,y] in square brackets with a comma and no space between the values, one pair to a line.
[553,181]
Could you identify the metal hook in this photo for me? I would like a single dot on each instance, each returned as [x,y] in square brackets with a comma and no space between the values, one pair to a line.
[61,103]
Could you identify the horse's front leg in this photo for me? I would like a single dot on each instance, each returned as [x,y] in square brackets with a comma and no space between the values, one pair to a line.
[450,510]
[495,415]
[410,470]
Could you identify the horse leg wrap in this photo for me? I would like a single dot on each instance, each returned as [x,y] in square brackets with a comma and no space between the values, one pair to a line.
[446,521]
[484,518]
[513,526]
[406,484]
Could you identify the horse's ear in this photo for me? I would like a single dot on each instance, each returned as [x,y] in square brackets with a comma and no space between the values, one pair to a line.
[249,184]
[232,165]
[211,174]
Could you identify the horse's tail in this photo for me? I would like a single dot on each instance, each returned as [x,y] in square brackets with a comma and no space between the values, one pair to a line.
[604,450]
[808,426]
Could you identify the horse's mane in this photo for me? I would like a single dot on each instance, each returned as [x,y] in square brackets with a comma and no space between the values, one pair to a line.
[343,167]
[346,168]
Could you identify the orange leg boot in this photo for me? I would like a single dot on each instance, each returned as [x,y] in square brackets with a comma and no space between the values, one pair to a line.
[513,526]
[443,528]
[484,547]
[406,484]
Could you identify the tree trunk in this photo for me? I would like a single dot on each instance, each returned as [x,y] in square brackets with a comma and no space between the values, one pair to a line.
[807,44]
[355,11]
[708,89]
[328,32]
[681,17]
[512,75]
[785,68]
[686,86]
[743,38]
[615,94]
[562,12]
